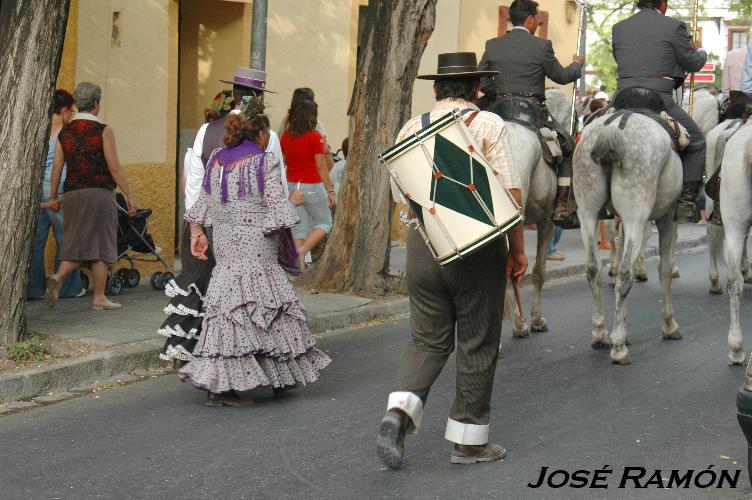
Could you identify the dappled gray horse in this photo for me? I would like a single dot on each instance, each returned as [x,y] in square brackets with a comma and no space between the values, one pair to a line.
[538,196]
[715,233]
[638,170]
[706,111]
[736,192]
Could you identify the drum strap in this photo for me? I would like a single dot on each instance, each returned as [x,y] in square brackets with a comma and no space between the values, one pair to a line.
[425,118]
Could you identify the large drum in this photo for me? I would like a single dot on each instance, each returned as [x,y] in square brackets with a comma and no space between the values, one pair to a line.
[458,202]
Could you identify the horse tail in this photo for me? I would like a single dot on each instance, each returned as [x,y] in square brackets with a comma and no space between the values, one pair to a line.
[608,150]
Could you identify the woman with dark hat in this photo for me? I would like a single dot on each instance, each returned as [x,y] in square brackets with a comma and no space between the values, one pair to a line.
[458,305]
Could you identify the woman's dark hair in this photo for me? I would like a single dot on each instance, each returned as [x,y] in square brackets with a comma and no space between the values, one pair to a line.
[246,125]
[298,95]
[63,99]
[457,88]
[649,4]
[597,104]
[302,118]
[521,10]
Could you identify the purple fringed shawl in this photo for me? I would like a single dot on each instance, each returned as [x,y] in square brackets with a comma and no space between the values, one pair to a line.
[225,160]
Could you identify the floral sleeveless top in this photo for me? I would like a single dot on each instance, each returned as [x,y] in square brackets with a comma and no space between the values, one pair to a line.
[83,149]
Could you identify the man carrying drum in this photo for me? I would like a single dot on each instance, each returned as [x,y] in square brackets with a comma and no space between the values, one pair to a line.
[464,298]
[522,62]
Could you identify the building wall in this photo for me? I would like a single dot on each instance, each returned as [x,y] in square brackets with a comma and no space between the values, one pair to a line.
[137,73]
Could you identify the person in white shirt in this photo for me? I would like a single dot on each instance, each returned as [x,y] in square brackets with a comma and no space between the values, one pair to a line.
[731,83]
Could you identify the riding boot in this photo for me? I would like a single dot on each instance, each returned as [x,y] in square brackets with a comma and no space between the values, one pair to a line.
[715,215]
[565,213]
[563,208]
[686,208]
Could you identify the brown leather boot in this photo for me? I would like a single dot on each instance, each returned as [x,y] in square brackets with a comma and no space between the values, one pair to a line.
[467,454]
[686,208]
[562,209]
[390,444]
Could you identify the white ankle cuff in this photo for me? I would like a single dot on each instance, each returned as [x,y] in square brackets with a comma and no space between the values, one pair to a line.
[411,405]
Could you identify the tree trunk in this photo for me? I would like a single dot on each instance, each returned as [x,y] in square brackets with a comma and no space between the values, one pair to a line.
[31,45]
[356,258]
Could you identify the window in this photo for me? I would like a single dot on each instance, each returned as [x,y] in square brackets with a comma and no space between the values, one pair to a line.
[505,25]
[737,37]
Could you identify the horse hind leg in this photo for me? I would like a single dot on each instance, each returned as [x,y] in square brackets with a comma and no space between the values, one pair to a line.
[715,251]
[667,244]
[594,271]
[545,233]
[745,265]
[631,245]
[641,271]
[734,243]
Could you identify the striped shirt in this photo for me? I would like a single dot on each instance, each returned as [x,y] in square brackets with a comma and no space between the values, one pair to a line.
[488,130]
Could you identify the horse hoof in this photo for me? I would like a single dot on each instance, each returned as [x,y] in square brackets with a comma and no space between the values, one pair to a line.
[626,360]
[523,334]
[715,291]
[539,326]
[737,358]
[641,277]
[675,273]
[673,335]
[601,345]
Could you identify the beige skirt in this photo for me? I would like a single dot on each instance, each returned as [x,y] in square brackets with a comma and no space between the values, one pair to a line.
[90,226]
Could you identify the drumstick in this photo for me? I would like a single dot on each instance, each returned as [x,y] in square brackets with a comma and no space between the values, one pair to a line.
[518,298]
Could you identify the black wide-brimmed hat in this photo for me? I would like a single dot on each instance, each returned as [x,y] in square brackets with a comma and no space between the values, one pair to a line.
[457,65]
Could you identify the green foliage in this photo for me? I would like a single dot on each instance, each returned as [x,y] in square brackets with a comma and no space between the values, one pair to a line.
[743,8]
[31,349]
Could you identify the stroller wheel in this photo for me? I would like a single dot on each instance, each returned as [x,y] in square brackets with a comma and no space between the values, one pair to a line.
[84,280]
[166,278]
[156,281]
[114,285]
[132,278]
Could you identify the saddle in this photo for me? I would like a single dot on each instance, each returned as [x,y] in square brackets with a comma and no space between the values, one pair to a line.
[648,103]
[533,115]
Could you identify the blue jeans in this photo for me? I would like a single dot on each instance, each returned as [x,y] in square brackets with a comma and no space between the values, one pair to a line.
[553,246]
[37,279]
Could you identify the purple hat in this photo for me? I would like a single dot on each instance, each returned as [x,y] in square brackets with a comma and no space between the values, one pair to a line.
[251,78]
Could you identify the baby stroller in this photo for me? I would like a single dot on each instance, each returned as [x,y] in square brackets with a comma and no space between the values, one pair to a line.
[134,244]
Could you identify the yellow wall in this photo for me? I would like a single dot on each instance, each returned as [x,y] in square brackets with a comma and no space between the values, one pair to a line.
[66,76]
[310,44]
[139,90]
[211,48]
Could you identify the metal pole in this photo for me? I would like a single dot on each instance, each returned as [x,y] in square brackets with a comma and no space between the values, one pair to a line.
[258,35]
[580,49]
[692,78]
[583,48]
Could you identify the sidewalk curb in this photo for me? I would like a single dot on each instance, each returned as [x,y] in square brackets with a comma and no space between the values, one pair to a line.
[579,269]
[143,354]
[126,358]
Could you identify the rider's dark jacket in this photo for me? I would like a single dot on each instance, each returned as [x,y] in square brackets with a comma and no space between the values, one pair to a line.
[524,61]
[654,51]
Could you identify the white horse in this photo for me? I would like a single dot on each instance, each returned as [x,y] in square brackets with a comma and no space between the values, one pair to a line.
[716,233]
[706,110]
[538,196]
[638,170]
[736,192]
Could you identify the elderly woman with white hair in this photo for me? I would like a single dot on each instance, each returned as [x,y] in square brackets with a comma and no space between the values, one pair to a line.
[87,147]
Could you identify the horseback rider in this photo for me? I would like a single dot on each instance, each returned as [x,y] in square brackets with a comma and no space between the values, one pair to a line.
[524,62]
[654,51]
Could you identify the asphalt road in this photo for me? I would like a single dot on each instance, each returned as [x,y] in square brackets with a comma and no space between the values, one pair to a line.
[557,403]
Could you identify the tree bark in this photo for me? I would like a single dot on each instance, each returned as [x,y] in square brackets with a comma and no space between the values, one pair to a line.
[31,45]
[356,258]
